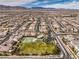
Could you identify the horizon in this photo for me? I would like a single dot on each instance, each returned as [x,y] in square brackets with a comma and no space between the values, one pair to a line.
[66,4]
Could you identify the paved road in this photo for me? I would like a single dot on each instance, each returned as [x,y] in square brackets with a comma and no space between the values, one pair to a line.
[62,47]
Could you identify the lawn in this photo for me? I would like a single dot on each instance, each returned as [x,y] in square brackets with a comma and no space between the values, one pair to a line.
[37,47]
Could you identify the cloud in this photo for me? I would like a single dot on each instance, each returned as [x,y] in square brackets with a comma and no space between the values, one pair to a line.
[69,5]
[15,2]
[39,3]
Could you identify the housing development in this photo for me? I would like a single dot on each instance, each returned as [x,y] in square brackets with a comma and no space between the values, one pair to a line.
[39,33]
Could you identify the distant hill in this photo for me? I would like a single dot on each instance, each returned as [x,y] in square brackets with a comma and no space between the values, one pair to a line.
[3,7]
[41,8]
[37,8]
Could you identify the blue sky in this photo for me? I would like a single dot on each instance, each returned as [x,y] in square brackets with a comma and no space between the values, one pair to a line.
[68,4]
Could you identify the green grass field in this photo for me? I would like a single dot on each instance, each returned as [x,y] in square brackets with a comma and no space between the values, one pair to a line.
[37,47]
